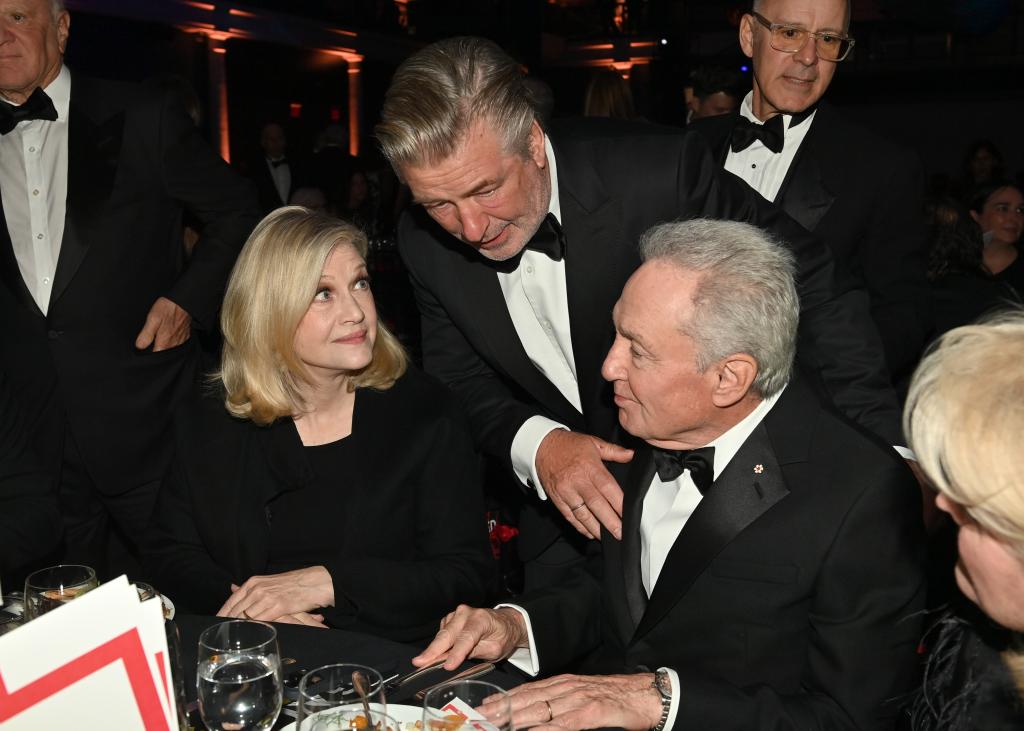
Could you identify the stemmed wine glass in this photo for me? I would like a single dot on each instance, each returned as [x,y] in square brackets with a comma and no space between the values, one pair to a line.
[239,676]
[485,705]
[331,697]
[50,588]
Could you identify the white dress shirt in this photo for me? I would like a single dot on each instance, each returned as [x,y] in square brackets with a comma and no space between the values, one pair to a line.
[535,294]
[762,169]
[34,190]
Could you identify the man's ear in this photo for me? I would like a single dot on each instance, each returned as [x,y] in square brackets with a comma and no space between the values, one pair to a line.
[736,374]
[537,152]
[747,35]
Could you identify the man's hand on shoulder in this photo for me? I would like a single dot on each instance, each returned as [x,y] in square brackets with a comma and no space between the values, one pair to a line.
[167,326]
[571,469]
[488,634]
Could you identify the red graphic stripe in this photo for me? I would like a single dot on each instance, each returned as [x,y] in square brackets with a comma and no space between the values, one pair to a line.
[126,647]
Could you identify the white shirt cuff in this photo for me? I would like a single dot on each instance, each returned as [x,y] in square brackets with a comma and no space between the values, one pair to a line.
[525,658]
[524,450]
[906,453]
[673,709]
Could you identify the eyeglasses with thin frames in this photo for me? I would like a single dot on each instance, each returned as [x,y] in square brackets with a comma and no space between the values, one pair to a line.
[790,39]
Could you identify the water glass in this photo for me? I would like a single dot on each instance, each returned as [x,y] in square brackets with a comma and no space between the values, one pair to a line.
[485,705]
[53,587]
[239,676]
[336,688]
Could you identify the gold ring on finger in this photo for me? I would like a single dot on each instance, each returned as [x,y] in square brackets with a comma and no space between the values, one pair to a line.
[551,713]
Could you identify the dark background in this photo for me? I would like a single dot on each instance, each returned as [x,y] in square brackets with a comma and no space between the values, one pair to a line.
[935,75]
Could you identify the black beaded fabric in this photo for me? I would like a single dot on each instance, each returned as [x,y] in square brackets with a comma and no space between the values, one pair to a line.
[966,685]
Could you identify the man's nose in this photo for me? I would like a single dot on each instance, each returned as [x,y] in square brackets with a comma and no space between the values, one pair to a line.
[611,367]
[807,54]
[474,222]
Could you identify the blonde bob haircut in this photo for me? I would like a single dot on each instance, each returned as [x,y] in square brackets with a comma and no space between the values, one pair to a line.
[270,290]
[964,419]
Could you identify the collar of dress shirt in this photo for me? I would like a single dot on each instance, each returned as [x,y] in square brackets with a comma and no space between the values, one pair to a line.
[728,444]
[793,136]
[554,206]
[59,91]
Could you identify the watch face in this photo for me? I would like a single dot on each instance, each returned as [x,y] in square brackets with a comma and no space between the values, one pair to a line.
[663,684]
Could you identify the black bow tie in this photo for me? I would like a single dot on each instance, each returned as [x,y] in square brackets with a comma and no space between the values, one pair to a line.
[771,133]
[700,462]
[279,163]
[549,239]
[37,106]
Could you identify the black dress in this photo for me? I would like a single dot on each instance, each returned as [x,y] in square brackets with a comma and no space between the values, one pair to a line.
[967,687]
[394,511]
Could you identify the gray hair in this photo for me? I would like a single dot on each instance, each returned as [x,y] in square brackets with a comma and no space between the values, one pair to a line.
[745,300]
[756,6]
[440,91]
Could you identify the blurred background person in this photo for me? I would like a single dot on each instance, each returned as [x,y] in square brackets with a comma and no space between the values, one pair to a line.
[326,481]
[998,208]
[271,170]
[962,288]
[608,95]
[964,418]
[716,91]
[982,164]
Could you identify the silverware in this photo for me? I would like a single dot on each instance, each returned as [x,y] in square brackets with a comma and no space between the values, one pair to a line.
[474,671]
[398,681]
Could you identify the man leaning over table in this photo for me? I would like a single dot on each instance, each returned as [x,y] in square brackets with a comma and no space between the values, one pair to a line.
[769,570]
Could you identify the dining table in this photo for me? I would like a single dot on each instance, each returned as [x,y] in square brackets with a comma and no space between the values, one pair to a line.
[305,648]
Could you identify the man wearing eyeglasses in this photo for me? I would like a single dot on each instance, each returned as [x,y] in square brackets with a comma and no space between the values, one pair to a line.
[858,192]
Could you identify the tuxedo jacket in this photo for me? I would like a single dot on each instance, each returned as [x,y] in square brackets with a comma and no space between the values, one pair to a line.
[30,525]
[135,161]
[863,196]
[788,599]
[413,541]
[615,180]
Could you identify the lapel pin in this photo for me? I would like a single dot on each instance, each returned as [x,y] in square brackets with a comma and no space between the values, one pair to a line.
[758,469]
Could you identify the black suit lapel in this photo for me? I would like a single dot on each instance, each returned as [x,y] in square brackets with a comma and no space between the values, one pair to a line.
[635,479]
[805,194]
[750,485]
[94,146]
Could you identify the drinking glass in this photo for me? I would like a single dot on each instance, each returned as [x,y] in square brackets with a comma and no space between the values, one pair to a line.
[48,589]
[334,688]
[239,676]
[483,705]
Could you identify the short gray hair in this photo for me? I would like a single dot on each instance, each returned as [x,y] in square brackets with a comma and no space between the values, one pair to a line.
[745,300]
[440,91]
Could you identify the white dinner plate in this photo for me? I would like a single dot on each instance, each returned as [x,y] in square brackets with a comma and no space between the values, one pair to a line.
[406,716]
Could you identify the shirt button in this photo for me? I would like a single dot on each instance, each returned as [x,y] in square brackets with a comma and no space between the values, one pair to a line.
[753,165]
[39,236]
[46,280]
[31,149]
[35,192]
[529,270]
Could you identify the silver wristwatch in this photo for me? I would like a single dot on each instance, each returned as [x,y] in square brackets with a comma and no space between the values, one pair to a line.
[663,684]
